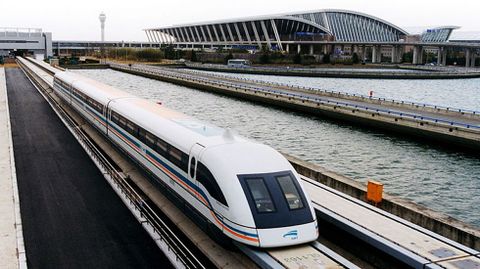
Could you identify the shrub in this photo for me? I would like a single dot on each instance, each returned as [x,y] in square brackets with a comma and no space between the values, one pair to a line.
[228,57]
[297,59]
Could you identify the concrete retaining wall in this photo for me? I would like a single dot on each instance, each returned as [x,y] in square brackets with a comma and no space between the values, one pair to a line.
[417,214]
[336,74]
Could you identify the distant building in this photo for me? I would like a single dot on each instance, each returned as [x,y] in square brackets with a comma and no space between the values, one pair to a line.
[25,40]
[276,31]
[438,34]
[84,48]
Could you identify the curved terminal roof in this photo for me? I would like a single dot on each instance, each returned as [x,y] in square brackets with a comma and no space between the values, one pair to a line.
[318,25]
[438,34]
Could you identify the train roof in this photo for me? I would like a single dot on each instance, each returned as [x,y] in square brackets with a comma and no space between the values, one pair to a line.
[177,128]
[172,125]
[99,91]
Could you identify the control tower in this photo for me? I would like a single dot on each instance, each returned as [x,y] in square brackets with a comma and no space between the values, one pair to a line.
[102,18]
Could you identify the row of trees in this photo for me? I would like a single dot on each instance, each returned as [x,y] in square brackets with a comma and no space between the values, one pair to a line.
[265,56]
[130,54]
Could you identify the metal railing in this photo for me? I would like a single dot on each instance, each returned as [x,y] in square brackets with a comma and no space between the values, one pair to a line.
[319,100]
[344,93]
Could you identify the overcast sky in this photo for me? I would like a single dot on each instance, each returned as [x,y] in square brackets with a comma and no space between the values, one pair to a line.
[78,20]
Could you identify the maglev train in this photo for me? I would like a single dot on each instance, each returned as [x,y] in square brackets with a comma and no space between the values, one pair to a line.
[246,190]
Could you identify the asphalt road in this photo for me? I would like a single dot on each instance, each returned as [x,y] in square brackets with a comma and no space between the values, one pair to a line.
[71,216]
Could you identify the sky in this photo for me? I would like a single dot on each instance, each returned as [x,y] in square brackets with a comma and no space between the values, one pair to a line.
[78,20]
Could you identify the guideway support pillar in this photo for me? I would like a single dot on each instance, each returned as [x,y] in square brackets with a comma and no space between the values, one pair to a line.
[364,53]
[396,55]
[442,56]
[468,57]
[376,54]
[417,55]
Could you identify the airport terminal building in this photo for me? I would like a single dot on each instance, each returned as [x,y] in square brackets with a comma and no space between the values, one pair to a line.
[25,40]
[279,31]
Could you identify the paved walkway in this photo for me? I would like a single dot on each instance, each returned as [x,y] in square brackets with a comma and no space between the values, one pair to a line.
[71,216]
[8,238]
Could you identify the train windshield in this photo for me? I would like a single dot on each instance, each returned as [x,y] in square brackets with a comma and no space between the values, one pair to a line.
[276,199]
[290,192]
[260,194]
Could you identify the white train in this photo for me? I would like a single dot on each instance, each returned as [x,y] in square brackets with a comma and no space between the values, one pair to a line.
[246,190]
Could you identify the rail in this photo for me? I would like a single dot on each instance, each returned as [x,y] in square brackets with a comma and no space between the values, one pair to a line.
[181,252]
[318,100]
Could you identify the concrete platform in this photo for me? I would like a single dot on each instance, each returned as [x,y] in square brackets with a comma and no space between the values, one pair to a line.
[12,254]
[71,216]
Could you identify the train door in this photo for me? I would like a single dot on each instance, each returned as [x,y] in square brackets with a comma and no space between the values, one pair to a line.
[195,152]
[108,116]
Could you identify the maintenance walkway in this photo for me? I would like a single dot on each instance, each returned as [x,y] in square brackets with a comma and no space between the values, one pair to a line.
[442,125]
[71,216]
[12,254]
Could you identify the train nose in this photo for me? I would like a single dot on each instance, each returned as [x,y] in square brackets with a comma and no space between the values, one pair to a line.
[287,236]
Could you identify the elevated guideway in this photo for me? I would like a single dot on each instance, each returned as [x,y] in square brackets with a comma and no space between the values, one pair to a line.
[405,242]
[442,125]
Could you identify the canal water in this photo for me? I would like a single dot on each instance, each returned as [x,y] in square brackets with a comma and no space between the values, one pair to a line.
[445,181]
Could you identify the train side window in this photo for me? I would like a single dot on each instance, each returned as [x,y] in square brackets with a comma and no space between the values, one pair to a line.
[123,123]
[179,158]
[131,128]
[150,140]
[141,134]
[115,117]
[184,164]
[260,195]
[161,147]
[205,177]
[175,154]
[290,192]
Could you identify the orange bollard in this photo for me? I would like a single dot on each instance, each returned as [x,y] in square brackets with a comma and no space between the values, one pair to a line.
[374,192]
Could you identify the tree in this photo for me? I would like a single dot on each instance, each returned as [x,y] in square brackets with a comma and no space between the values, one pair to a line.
[407,57]
[355,59]
[228,57]
[265,58]
[149,55]
[326,58]
[297,59]
[169,52]
[193,57]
